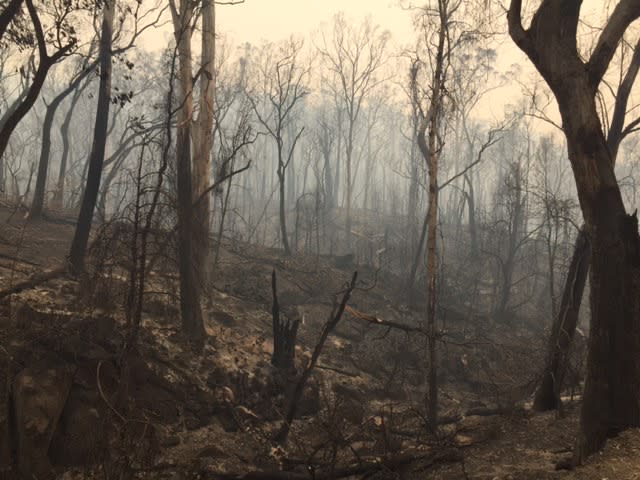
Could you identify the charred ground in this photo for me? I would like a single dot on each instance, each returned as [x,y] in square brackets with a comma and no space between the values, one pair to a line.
[70,411]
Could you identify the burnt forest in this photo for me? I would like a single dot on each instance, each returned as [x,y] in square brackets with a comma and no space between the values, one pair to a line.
[298,240]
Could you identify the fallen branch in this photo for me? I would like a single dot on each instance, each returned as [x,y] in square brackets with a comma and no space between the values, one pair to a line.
[362,468]
[383,323]
[346,373]
[32,282]
[19,260]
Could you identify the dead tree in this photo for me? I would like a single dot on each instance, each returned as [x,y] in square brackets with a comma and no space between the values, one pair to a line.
[46,61]
[566,321]
[96,159]
[355,57]
[611,400]
[564,327]
[284,82]
[11,9]
[57,201]
[334,319]
[285,332]
[38,202]
[190,284]
[203,142]
[429,142]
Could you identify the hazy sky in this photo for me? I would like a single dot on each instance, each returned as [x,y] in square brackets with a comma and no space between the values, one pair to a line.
[257,20]
[277,19]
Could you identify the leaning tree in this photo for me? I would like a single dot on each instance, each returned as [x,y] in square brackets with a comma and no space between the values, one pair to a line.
[612,389]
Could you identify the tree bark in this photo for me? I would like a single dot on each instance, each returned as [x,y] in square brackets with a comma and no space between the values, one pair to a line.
[85,218]
[46,62]
[190,287]
[432,266]
[8,14]
[58,195]
[564,327]
[284,334]
[548,394]
[37,205]
[429,124]
[517,202]
[283,212]
[349,181]
[473,232]
[611,400]
[202,145]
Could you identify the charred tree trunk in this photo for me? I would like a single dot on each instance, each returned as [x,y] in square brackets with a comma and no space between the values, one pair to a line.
[106,184]
[332,321]
[412,206]
[190,287]
[473,231]
[325,145]
[85,218]
[203,143]
[517,220]
[548,394]
[283,212]
[337,178]
[58,195]
[430,124]
[284,334]
[8,13]
[564,327]
[37,204]
[46,62]
[611,400]
[349,184]
[432,266]
[418,256]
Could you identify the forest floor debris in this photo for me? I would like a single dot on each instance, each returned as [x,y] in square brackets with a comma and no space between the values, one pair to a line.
[214,414]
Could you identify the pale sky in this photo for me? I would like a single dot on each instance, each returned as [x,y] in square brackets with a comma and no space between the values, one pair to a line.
[274,20]
[278,19]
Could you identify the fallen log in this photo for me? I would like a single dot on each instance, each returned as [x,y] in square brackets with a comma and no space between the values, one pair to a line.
[32,282]
[13,258]
[383,323]
[367,467]
[346,373]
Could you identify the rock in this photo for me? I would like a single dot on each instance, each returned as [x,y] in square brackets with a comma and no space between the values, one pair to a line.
[267,346]
[39,396]
[463,440]
[210,451]
[223,318]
